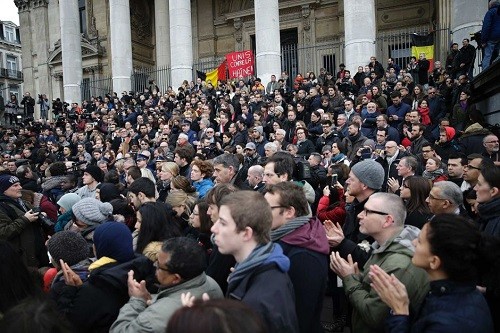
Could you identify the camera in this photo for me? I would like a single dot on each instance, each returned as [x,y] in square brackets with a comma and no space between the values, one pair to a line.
[334,179]
[44,220]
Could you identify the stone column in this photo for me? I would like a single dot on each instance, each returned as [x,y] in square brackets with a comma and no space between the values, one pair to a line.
[121,45]
[181,41]
[443,34]
[267,39]
[467,18]
[360,30]
[26,45]
[162,33]
[71,50]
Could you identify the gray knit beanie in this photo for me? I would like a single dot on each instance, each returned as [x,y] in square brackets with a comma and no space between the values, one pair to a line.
[91,211]
[69,246]
[68,200]
[370,173]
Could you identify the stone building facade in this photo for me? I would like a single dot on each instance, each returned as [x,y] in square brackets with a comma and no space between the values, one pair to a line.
[11,75]
[179,34]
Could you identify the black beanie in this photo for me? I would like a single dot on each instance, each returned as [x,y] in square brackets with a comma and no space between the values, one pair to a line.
[95,172]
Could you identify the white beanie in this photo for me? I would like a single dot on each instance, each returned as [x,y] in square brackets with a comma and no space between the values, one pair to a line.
[91,211]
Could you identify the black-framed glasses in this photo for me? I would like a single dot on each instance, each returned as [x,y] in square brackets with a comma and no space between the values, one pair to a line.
[370,211]
[468,166]
[157,266]
[405,186]
[434,198]
[274,207]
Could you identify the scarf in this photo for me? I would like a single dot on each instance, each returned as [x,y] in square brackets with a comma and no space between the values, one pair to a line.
[288,227]
[101,262]
[258,256]
[432,174]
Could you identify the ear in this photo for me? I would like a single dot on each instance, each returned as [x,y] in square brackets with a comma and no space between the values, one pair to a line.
[495,191]
[177,279]
[289,213]
[435,263]
[247,233]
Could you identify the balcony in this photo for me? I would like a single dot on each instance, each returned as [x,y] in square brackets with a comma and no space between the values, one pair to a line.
[11,74]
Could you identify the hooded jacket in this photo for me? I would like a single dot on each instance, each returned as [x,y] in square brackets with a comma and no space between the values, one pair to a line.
[269,291]
[394,257]
[489,217]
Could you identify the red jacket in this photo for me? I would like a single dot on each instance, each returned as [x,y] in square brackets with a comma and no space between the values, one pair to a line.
[334,214]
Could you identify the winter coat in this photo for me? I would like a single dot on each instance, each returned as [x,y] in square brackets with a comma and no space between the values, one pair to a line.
[268,290]
[449,307]
[351,147]
[472,139]
[336,214]
[137,316]
[307,248]
[394,257]
[305,148]
[489,217]
[491,25]
[94,306]
[202,186]
[26,237]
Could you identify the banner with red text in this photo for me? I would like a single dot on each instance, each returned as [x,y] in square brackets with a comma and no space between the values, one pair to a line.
[240,64]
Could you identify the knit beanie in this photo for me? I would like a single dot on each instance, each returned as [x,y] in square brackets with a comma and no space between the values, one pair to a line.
[95,172]
[68,200]
[370,173]
[69,246]
[450,133]
[91,211]
[108,192]
[113,240]
[7,181]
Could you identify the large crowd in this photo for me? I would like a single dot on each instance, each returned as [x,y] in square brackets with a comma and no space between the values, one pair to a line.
[236,207]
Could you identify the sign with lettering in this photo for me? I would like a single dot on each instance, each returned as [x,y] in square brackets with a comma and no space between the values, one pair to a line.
[240,64]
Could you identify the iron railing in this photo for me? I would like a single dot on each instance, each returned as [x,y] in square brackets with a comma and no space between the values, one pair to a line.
[11,74]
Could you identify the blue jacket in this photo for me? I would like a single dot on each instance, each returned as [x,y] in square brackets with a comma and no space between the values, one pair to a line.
[400,111]
[450,307]
[491,25]
[202,186]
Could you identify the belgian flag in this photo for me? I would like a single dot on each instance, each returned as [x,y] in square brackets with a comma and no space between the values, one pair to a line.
[423,44]
[214,76]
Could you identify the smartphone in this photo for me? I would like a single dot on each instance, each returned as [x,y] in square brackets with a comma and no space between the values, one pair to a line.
[36,210]
[334,179]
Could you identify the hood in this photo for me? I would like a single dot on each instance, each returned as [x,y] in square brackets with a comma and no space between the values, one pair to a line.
[311,236]
[473,128]
[277,257]
[401,242]
[450,133]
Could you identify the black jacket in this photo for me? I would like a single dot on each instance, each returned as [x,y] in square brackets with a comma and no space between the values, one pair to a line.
[95,305]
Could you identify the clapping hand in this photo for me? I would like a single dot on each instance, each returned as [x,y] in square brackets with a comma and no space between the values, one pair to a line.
[70,277]
[138,289]
[343,267]
[334,233]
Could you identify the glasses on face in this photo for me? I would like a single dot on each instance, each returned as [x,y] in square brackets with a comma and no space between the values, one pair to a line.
[434,198]
[274,207]
[405,186]
[494,141]
[367,211]
[468,166]
[426,151]
[157,266]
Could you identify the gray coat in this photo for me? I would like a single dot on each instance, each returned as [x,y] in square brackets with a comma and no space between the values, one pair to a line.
[136,316]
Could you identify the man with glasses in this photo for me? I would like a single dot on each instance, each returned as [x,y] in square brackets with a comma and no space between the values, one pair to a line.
[446,197]
[491,148]
[389,158]
[382,218]
[291,225]
[471,172]
[179,269]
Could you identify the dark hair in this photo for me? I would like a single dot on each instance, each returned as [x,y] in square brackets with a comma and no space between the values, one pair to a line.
[155,225]
[491,175]
[134,172]
[420,188]
[186,257]
[144,185]
[291,195]
[57,169]
[216,316]
[466,255]
[182,183]
[283,163]
[16,281]
[205,221]
[186,153]
[35,315]
[216,193]
[457,155]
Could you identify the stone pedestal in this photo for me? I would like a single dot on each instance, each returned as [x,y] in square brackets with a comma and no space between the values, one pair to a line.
[467,18]
[71,50]
[121,45]
[162,47]
[267,39]
[181,41]
[360,31]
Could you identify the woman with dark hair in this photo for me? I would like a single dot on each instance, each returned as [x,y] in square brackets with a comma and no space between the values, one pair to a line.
[183,184]
[304,145]
[201,176]
[488,200]
[414,191]
[153,226]
[216,316]
[200,224]
[16,281]
[456,258]
[331,206]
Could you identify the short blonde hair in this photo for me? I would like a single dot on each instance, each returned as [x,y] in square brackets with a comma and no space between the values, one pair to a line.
[171,167]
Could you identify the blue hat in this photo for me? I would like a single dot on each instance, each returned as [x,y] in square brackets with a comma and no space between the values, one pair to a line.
[7,181]
[113,240]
